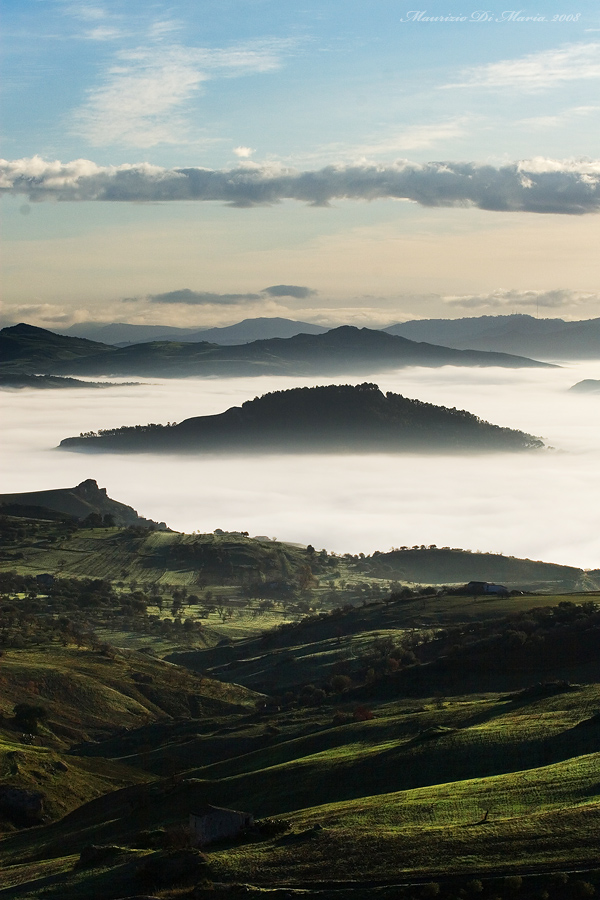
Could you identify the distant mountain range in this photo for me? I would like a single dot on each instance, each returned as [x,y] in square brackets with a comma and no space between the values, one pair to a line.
[262,328]
[349,350]
[78,503]
[19,381]
[521,334]
[524,335]
[335,418]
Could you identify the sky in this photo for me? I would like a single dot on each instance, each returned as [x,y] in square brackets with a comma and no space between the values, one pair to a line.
[198,163]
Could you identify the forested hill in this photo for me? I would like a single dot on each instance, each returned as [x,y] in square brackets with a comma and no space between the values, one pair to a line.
[334,418]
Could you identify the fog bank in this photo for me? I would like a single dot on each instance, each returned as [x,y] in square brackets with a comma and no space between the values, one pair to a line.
[543,505]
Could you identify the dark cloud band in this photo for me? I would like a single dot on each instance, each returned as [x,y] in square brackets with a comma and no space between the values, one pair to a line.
[538,185]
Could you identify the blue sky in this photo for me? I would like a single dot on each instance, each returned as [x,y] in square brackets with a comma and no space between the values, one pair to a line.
[400,162]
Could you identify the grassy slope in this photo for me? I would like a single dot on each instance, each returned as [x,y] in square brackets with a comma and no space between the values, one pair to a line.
[384,792]
[543,817]
[89,695]
[116,553]
[397,795]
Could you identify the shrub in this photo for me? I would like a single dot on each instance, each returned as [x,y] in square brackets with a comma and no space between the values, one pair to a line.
[28,716]
[430,890]
[272,826]
[171,867]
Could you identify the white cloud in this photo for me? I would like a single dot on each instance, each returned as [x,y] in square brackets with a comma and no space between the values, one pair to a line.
[537,185]
[243,152]
[561,119]
[144,97]
[536,71]
[163,27]
[86,11]
[417,137]
[103,33]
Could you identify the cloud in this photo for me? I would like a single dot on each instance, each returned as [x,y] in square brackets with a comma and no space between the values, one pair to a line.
[289,290]
[198,298]
[87,11]
[145,93]
[536,71]
[417,137]
[243,152]
[511,299]
[561,120]
[537,185]
[103,33]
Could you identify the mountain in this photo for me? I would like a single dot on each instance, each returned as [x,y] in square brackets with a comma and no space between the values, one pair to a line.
[27,349]
[79,502]
[17,381]
[121,333]
[336,418]
[342,350]
[588,386]
[259,329]
[521,334]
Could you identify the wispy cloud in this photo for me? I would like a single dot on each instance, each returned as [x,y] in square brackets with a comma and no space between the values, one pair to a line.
[90,12]
[536,71]
[503,299]
[103,33]
[537,185]
[416,137]
[561,119]
[144,96]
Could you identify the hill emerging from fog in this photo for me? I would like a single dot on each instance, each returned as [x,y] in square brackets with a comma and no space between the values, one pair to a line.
[588,386]
[347,349]
[335,418]
[78,503]
[518,333]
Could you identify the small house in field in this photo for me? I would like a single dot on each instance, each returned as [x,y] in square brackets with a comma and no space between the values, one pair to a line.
[45,579]
[483,587]
[213,823]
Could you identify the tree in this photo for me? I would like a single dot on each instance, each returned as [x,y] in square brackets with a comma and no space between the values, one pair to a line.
[29,715]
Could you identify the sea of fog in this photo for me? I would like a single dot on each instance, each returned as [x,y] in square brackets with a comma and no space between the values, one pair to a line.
[542,505]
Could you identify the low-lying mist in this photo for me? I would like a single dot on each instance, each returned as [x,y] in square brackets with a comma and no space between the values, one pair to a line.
[540,504]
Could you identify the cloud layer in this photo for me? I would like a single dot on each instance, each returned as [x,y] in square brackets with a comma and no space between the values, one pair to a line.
[503,299]
[537,185]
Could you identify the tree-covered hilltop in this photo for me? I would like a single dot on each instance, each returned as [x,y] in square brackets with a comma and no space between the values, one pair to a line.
[333,418]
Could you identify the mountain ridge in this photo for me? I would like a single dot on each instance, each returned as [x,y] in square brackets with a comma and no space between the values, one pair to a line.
[347,349]
[517,333]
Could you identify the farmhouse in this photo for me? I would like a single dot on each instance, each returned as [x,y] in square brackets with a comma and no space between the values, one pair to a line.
[483,587]
[212,823]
